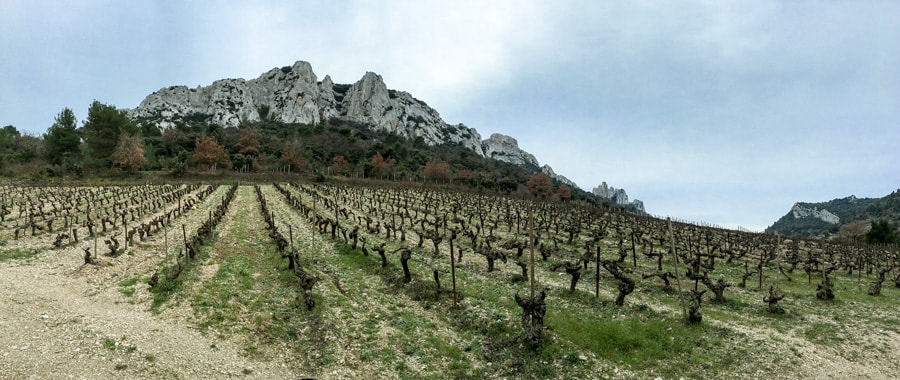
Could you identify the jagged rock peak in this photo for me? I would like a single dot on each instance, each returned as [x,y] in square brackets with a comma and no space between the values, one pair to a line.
[505,148]
[292,94]
[617,196]
[799,211]
[546,169]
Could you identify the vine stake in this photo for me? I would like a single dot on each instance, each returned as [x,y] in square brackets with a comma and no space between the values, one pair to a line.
[677,277]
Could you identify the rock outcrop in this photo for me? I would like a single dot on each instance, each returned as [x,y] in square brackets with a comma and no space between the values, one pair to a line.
[546,169]
[504,148]
[839,216]
[293,95]
[800,212]
[617,196]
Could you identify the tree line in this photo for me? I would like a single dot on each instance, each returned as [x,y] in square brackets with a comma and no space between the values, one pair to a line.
[109,143]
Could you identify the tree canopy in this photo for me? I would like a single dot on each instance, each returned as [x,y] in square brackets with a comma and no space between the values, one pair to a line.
[101,131]
[882,232]
[540,185]
[62,142]
[208,151]
[129,153]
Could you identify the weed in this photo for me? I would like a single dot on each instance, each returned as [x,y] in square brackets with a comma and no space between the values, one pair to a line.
[126,287]
[109,344]
[17,253]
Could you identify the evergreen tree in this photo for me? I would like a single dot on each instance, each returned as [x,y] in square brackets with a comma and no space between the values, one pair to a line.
[7,136]
[882,232]
[62,142]
[101,132]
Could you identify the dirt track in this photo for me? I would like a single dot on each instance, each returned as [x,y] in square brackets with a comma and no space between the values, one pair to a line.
[55,325]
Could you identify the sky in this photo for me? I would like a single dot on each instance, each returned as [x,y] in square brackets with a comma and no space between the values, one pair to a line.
[722,112]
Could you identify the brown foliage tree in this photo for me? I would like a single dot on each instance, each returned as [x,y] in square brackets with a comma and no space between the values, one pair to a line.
[292,154]
[380,165]
[564,193]
[339,165]
[129,153]
[540,185]
[208,151]
[249,142]
[437,170]
[464,175]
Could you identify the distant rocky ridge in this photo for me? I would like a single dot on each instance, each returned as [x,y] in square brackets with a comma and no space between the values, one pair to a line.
[546,169]
[294,95]
[617,196]
[825,219]
[799,211]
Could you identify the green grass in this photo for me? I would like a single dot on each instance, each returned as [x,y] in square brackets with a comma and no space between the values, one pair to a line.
[109,344]
[822,333]
[639,338]
[126,287]
[17,253]
[165,289]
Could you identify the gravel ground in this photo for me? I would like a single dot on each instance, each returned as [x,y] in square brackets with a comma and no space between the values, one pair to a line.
[61,319]
[51,327]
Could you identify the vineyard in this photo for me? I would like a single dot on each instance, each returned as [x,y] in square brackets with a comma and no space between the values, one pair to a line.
[331,280]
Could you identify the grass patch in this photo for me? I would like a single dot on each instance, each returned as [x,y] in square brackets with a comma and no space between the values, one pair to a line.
[822,333]
[109,344]
[126,287]
[640,339]
[17,253]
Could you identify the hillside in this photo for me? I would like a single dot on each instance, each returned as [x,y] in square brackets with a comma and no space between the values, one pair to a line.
[292,97]
[844,216]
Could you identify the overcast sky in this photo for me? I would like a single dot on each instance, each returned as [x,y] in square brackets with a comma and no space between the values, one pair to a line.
[725,112]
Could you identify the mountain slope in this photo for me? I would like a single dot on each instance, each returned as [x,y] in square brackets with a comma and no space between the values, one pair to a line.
[828,218]
[295,95]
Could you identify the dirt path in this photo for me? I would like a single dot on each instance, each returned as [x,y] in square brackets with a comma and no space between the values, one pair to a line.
[60,319]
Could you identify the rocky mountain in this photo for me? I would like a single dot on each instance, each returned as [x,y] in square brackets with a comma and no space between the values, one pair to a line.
[836,216]
[617,196]
[506,149]
[546,169]
[295,95]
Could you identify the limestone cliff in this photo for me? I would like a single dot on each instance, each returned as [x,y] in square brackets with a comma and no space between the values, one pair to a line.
[546,169]
[506,149]
[293,95]
[617,196]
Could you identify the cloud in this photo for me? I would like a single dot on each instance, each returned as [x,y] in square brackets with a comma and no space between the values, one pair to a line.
[688,105]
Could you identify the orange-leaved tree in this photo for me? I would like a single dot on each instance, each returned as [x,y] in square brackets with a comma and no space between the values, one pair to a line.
[564,193]
[540,185]
[293,155]
[381,165]
[339,165]
[208,151]
[436,170]
[129,153]
[249,142]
